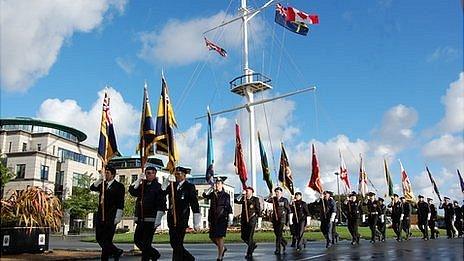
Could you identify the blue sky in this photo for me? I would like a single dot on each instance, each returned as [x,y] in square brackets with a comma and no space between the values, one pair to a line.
[389,76]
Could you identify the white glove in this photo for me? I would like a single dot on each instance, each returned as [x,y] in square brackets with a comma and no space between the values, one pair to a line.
[308,221]
[428,216]
[165,184]
[118,216]
[290,219]
[159,216]
[171,178]
[136,183]
[196,221]
[363,217]
[209,191]
[231,219]
[454,218]
[332,217]
[336,220]
[382,218]
[98,181]
[401,217]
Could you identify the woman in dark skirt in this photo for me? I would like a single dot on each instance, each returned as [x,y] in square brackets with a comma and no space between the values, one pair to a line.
[219,216]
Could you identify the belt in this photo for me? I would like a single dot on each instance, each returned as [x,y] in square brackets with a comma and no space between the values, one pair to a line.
[374,213]
[147,219]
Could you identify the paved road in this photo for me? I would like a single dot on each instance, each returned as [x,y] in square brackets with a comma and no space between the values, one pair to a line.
[414,249]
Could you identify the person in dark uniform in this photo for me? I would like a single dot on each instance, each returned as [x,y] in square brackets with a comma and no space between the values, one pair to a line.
[423,214]
[372,215]
[433,216]
[406,223]
[185,195]
[397,215]
[335,236]
[219,215]
[279,218]
[458,223]
[351,209]
[251,207]
[327,210]
[298,215]
[110,213]
[449,216]
[382,220]
[149,210]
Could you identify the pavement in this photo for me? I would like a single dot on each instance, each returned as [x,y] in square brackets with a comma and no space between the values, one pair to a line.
[441,249]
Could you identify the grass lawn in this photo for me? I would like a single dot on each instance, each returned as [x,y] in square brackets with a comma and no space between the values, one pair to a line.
[260,236]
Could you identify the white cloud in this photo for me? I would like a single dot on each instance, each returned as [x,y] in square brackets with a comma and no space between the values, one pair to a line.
[126,65]
[33,33]
[453,121]
[181,42]
[447,149]
[70,113]
[446,54]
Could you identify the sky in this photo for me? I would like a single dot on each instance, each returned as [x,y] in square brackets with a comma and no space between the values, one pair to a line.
[389,77]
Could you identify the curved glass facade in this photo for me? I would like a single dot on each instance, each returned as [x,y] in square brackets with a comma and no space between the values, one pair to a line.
[40,129]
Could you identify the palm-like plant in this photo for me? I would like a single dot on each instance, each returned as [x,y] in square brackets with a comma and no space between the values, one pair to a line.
[32,207]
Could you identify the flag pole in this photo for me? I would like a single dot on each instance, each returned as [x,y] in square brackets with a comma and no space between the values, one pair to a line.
[102,198]
[173,167]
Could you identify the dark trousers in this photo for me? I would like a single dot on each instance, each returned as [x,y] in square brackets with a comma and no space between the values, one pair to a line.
[372,220]
[353,228]
[396,225]
[449,227]
[247,230]
[326,229]
[143,237]
[176,238]
[406,225]
[433,231]
[278,230]
[382,227]
[298,232]
[104,232]
[422,224]
[459,226]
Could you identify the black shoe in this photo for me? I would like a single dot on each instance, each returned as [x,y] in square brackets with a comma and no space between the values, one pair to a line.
[372,241]
[249,256]
[284,246]
[277,252]
[118,254]
[292,245]
[223,252]
[298,249]
[156,256]
[328,245]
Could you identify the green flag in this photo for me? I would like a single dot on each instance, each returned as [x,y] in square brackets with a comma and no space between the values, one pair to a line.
[388,178]
[265,165]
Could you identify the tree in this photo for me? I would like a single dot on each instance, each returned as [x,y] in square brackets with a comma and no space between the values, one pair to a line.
[7,175]
[82,201]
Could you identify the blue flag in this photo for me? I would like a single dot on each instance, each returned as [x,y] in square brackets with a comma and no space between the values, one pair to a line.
[147,129]
[209,152]
[107,147]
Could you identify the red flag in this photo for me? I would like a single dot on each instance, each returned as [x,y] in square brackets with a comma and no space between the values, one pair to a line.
[296,15]
[212,46]
[407,189]
[315,181]
[344,172]
[362,185]
[240,166]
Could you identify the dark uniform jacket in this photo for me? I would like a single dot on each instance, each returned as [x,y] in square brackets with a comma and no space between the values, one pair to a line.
[397,210]
[372,207]
[433,212]
[253,207]
[185,198]
[406,210]
[153,200]
[449,210]
[114,200]
[382,209]
[281,209]
[458,213]
[423,211]
[299,209]
[220,206]
[351,209]
[327,207]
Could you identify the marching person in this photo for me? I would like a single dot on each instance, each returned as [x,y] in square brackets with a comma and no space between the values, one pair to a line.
[397,216]
[406,223]
[298,215]
[449,216]
[373,214]
[423,216]
[279,218]
[433,219]
[185,198]
[458,223]
[382,220]
[327,208]
[351,208]
[149,210]
[219,215]
[251,207]
[110,213]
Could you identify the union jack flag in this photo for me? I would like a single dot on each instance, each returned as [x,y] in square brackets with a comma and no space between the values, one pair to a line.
[212,46]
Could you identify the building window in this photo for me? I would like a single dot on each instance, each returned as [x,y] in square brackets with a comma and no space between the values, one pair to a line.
[59,178]
[39,147]
[134,178]
[122,179]
[65,154]
[78,180]
[24,146]
[53,150]
[44,172]
[20,171]
[9,147]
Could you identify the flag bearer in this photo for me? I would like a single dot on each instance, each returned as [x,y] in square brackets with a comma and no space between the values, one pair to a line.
[382,220]
[433,219]
[397,215]
[298,215]
[279,218]
[406,223]
[351,208]
[327,208]
[251,207]
[423,215]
